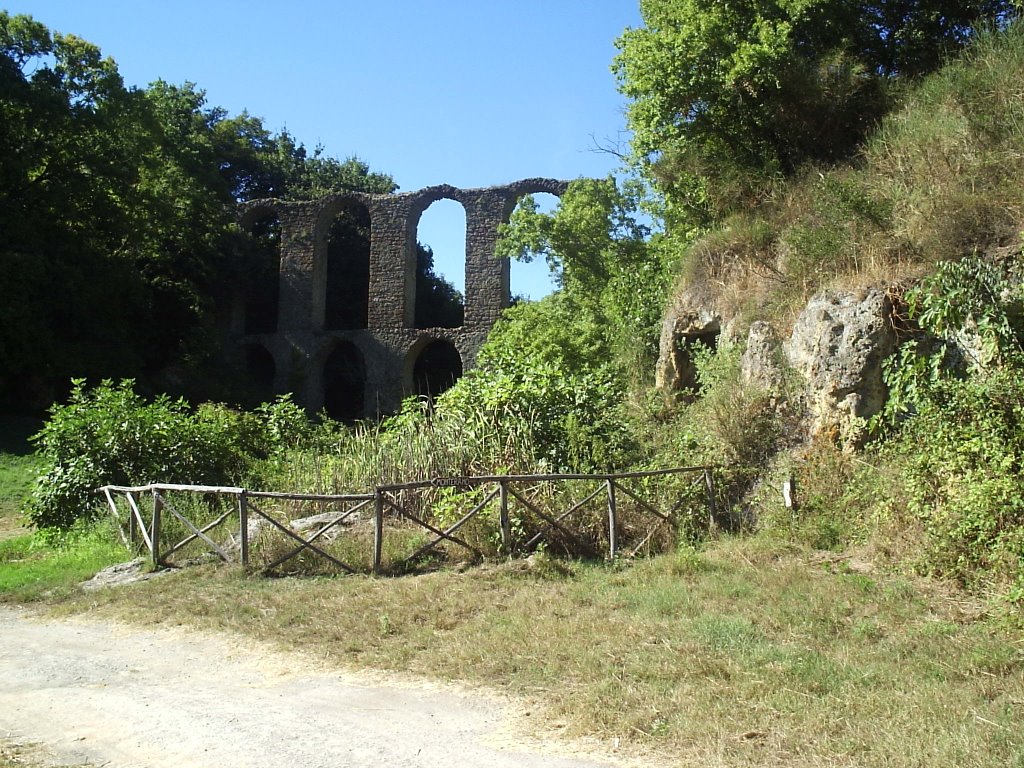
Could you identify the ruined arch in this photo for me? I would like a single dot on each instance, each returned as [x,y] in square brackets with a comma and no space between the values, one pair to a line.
[300,343]
[344,382]
[343,265]
[432,367]
[531,280]
[438,300]
[262,269]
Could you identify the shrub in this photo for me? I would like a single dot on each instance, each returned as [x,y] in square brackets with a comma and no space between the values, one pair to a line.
[956,420]
[109,435]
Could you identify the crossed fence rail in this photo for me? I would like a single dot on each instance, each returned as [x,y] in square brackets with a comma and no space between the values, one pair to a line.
[180,518]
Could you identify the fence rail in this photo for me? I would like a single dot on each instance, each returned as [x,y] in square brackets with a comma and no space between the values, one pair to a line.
[193,513]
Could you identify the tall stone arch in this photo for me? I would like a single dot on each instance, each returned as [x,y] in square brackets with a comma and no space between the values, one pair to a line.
[302,342]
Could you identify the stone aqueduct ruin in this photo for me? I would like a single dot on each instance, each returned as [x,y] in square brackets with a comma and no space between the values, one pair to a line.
[373,363]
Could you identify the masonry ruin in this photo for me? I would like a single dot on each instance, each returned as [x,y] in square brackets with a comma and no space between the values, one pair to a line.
[337,326]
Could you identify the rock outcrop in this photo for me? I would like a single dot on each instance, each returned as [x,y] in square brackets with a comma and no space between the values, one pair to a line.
[838,345]
[761,362]
[691,319]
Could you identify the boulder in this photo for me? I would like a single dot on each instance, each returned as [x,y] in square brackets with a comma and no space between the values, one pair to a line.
[761,361]
[838,345]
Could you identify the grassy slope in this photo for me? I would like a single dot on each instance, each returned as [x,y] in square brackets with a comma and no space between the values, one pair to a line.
[738,655]
[30,568]
[17,471]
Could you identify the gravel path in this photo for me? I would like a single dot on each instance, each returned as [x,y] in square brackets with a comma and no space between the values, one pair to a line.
[120,696]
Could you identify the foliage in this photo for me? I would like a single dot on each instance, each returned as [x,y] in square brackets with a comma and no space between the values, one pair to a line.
[110,435]
[128,196]
[937,182]
[964,478]
[970,322]
[724,96]
[612,278]
[956,398]
[574,418]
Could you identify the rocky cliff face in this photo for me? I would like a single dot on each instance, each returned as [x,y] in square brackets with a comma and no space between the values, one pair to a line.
[836,351]
[691,320]
[838,345]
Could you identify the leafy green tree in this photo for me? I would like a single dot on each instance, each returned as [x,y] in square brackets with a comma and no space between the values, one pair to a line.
[117,212]
[72,135]
[724,96]
[612,276]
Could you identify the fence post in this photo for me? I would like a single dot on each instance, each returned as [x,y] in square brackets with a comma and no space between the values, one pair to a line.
[378,529]
[243,524]
[154,535]
[709,482]
[503,519]
[133,534]
[612,522]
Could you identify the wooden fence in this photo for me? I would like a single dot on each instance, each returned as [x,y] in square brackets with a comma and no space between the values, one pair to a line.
[405,516]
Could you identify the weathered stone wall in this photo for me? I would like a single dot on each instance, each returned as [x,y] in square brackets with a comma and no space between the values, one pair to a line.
[390,344]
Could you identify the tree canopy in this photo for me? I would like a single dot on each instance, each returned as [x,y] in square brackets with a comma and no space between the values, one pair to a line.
[724,95]
[117,211]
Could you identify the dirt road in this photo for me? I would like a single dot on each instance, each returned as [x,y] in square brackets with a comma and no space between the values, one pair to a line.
[123,697]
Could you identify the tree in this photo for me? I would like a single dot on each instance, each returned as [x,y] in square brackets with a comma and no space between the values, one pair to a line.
[117,211]
[72,135]
[438,303]
[727,95]
[612,276]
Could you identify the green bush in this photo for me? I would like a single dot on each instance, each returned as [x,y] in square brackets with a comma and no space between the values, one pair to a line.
[109,435]
[955,421]
[963,460]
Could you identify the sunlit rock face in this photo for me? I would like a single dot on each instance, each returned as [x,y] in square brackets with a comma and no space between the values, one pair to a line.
[834,356]
[838,345]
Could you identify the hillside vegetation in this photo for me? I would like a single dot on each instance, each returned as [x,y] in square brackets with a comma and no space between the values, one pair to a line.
[876,621]
[920,195]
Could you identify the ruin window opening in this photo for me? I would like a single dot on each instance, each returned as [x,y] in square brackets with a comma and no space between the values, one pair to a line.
[438,366]
[260,370]
[533,280]
[345,383]
[348,269]
[441,266]
[262,275]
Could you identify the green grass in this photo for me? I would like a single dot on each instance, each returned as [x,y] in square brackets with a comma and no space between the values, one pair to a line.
[746,653]
[32,568]
[18,468]
[17,474]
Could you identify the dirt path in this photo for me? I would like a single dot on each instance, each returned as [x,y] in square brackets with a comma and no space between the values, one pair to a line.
[122,697]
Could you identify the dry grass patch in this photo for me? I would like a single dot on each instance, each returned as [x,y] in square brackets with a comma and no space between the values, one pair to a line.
[18,755]
[738,655]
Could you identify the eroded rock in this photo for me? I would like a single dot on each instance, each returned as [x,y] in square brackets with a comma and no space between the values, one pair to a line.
[122,573]
[838,345]
[691,320]
[761,362]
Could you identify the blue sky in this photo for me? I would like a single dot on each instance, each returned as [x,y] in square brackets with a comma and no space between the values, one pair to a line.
[468,93]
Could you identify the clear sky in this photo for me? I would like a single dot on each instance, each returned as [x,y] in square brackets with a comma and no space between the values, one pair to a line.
[464,92]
